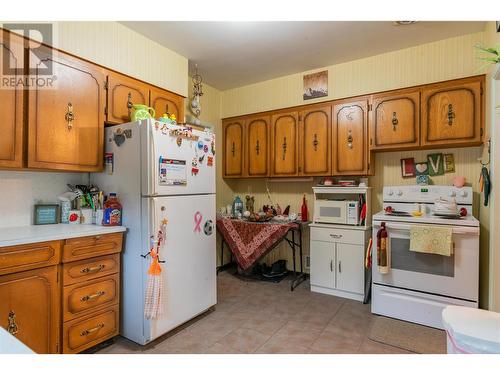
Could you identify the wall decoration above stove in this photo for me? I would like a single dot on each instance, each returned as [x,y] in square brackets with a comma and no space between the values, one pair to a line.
[408,167]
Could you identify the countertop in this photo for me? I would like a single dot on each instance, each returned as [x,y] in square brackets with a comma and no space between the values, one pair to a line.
[51,232]
[11,345]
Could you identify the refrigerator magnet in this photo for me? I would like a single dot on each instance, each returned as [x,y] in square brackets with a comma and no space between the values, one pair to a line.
[179,141]
[213,147]
[208,228]
[205,149]
[210,161]
[200,159]
[200,145]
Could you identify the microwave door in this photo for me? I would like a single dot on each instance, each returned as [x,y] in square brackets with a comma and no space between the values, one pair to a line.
[331,212]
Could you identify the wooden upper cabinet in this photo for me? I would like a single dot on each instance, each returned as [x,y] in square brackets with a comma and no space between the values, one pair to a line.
[123,92]
[314,145]
[349,140]
[452,112]
[233,147]
[11,108]
[163,101]
[30,308]
[394,122]
[257,146]
[284,141]
[66,122]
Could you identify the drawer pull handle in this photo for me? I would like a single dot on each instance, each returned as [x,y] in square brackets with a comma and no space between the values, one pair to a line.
[336,235]
[12,328]
[95,269]
[451,114]
[331,265]
[92,330]
[90,297]
[394,121]
[315,142]
[340,266]
[350,139]
[284,148]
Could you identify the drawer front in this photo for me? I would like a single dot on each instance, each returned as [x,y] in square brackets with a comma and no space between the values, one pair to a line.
[338,235]
[80,299]
[26,257]
[93,246]
[89,269]
[86,332]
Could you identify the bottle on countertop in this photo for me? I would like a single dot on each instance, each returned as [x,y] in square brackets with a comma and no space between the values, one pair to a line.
[112,211]
[303,209]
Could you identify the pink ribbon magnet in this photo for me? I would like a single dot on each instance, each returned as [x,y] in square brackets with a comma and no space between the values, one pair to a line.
[197,220]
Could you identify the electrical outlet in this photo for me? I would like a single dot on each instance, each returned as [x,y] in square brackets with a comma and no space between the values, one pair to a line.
[307,264]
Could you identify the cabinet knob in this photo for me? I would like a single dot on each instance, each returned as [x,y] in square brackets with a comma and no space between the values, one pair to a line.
[12,327]
[394,121]
[451,114]
[70,116]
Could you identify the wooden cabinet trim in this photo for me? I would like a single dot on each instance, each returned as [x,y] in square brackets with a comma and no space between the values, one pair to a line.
[25,257]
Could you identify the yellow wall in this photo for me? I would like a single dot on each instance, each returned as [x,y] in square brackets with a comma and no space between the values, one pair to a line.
[438,61]
[117,47]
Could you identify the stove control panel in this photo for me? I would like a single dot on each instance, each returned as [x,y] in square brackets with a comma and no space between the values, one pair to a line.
[427,193]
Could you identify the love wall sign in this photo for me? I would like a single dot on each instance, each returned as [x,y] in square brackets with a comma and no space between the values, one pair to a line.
[436,165]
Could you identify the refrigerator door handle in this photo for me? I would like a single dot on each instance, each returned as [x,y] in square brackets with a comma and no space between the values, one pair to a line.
[154,166]
[154,220]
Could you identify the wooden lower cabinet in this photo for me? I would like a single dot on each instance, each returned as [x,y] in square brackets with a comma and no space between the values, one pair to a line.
[29,308]
[61,308]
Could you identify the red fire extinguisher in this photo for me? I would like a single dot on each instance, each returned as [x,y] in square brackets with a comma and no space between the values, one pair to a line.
[382,253]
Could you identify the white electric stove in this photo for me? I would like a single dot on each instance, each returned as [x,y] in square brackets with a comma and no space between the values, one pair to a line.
[418,285]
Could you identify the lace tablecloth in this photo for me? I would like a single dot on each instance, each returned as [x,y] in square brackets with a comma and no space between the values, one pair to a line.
[249,241]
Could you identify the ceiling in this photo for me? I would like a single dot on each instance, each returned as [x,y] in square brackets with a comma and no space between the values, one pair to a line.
[234,54]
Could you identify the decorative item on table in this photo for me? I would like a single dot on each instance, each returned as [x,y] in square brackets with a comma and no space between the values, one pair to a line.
[74,216]
[287,210]
[436,164]
[449,163]
[66,202]
[292,217]
[315,85]
[408,167]
[237,208]
[46,214]
[112,211]
[303,209]
[142,112]
[250,201]
[261,216]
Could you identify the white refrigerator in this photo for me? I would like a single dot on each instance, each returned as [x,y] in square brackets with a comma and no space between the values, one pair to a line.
[160,171]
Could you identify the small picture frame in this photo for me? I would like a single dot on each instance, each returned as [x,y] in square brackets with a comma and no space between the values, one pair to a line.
[408,167]
[46,214]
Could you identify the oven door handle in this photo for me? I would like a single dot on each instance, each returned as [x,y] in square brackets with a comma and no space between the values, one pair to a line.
[456,230]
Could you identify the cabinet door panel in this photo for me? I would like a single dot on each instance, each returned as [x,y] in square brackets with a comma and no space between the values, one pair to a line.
[163,101]
[323,264]
[350,268]
[30,302]
[315,141]
[395,120]
[66,122]
[350,147]
[258,146]
[452,113]
[284,132]
[122,93]
[233,148]
[11,109]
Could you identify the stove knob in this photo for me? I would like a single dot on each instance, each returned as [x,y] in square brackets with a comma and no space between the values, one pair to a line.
[452,194]
[463,193]
[390,193]
[400,192]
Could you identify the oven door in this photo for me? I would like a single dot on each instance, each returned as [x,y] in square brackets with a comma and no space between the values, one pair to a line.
[454,276]
[333,212]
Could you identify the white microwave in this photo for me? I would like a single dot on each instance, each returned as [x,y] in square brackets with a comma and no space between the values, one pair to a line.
[336,211]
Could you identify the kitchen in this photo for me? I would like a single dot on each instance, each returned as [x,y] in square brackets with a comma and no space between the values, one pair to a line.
[254,138]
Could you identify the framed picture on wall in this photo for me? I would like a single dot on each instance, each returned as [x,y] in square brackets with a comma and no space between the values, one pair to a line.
[315,85]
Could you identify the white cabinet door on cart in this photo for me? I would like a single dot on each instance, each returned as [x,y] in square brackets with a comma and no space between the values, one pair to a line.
[350,260]
[323,264]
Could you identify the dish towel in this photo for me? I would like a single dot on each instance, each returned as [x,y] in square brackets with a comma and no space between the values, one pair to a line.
[432,240]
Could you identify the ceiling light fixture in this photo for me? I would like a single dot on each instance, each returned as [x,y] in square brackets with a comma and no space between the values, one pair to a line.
[403,23]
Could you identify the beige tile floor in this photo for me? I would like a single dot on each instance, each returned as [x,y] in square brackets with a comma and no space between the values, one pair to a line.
[262,317]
